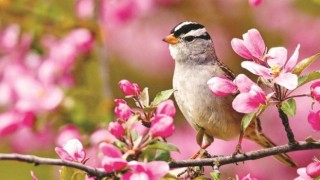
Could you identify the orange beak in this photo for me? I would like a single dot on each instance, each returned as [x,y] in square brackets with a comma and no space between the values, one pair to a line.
[171,39]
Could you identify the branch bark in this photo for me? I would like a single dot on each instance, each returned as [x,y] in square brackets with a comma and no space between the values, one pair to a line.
[219,161]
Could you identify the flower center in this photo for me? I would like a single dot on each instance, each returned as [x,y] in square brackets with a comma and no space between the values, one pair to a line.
[275,70]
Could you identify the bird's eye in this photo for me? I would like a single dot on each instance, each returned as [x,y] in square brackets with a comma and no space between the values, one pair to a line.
[189,38]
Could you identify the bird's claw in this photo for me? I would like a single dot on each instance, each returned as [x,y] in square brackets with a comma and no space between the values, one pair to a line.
[238,150]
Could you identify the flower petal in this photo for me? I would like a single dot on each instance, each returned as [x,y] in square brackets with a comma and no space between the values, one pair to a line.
[293,60]
[287,80]
[243,83]
[221,86]
[243,104]
[254,42]
[314,120]
[239,47]
[277,56]
[167,108]
[110,150]
[257,69]
[63,154]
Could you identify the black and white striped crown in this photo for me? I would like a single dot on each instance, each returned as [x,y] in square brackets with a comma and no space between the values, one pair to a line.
[189,28]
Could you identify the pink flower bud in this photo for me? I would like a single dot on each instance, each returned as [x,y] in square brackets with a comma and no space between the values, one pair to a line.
[150,170]
[221,86]
[255,3]
[112,159]
[162,125]
[313,169]
[122,110]
[72,151]
[128,88]
[314,120]
[251,47]
[84,9]
[66,133]
[315,90]
[167,108]
[116,129]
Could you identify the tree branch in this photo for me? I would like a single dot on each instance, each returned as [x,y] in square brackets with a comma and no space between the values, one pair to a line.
[223,160]
[285,122]
[56,162]
[220,160]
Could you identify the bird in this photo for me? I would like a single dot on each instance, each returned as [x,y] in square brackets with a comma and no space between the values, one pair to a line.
[192,50]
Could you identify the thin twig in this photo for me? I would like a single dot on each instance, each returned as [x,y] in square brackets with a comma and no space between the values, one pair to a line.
[285,122]
[220,160]
[56,162]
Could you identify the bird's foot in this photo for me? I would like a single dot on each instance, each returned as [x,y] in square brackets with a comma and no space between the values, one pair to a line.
[200,151]
[238,150]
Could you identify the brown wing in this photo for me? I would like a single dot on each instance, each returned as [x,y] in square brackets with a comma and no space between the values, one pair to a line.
[226,70]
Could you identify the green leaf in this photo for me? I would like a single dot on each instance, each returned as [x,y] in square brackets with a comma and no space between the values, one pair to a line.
[309,77]
[201,178]
[68,173]
[149,109]
[162,155]
[302,65]
[163,146]
[162,96]
[289,107]
[169,176]
[215,175]
[246,120]
[310,139]
[145,97]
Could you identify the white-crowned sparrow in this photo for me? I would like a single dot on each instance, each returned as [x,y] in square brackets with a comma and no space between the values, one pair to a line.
[196,62]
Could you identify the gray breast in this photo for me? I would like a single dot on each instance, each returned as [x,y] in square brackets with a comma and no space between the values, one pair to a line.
[199,106]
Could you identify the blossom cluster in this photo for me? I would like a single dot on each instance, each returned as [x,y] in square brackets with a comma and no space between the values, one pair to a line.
[130,147]
[33,83]
[312,171]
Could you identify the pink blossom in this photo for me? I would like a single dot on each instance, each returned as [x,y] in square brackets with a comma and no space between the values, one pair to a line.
[72,151]
[112,159]
[250,97]
[313,169]
[251,47]
[279,68]
[122,110]
[128,88]
[255,3]
[6,92]
[41,139]
[116,129]
[139,128]
[101,135]
[146,171]
[162,125]
[9,38]
[66,133]
[32,95]
[314,120]
[10,121]
[117,12]
[315,90]
[33,175]
[84,9]
[247,177]
[221,86]
[167,108]
[303,174]
[81,38]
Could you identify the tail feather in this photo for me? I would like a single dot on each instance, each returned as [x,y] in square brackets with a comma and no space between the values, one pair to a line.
[255,134]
